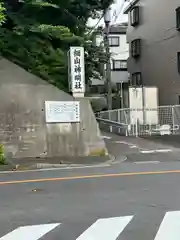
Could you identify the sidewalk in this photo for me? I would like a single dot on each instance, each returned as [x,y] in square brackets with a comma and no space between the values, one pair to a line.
[171,140]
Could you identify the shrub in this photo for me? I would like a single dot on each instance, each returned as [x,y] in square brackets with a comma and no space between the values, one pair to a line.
[2,155]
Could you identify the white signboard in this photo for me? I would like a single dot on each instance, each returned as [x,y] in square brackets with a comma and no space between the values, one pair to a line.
[62,111]
[148,97]
[77,69]
[136,105]
[151,105]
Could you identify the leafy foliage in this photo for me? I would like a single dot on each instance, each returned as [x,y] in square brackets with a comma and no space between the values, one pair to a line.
[2,10]
[2,155]
[38,34]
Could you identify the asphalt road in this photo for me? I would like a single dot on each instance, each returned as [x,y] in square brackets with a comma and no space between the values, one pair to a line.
[162,149]
[124,201]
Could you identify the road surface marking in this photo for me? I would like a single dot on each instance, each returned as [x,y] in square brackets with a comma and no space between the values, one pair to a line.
[106,137]
[30,232]
[130,145]
[170,227]
[126,143]
[127,174]
[145,162]
[164,150]
[133,146]
[106,229]
[156,151]
[147,151]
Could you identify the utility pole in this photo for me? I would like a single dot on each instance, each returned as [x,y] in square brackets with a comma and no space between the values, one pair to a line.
[121,95]
[107,20]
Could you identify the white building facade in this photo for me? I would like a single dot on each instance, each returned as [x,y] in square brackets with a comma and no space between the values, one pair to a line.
[119,49]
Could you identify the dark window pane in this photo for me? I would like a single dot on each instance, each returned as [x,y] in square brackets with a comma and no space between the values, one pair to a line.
[120,65]
[178,18]
[134,16]
[136,79]
[135,48]
[113,41]
[178,61]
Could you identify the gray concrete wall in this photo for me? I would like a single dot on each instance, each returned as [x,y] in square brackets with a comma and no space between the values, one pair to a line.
[160,44]
[23,129]
[119,76]
[116,77]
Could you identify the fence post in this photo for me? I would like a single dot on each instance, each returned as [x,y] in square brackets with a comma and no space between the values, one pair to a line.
[118,118]
[124,120]
[109,115]
[173,119]
[119,115]
[136,127]
[110,127]
[136,123]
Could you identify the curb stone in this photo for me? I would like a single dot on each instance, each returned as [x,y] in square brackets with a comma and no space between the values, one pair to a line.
[32,165]
[43,165]
[7,167]
[49,165]
[119,160]
[111,161]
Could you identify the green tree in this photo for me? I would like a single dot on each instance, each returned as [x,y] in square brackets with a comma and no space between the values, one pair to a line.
[2,14]
[38,34]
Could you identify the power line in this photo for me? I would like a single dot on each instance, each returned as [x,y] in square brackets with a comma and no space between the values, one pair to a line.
[82,23]
[120,11]
[102,31]
[95,25]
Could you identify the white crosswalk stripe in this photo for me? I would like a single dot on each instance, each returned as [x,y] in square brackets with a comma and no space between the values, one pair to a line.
[106,229]
[30,232]
[170,227]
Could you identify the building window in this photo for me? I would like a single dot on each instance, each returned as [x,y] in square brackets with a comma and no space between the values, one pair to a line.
[136,79]
[114,41]
[179,100]
[119,65]
[178,18]
[97,89]
[136,48]
[134,16]
[178,61]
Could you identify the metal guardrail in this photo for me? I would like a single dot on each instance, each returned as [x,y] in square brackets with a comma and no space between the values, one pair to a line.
[112,124]
[107,121]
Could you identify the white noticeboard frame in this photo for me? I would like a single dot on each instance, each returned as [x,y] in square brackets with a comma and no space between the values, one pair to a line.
[62,111]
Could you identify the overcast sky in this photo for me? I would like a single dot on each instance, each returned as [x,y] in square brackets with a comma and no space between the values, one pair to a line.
[116,9]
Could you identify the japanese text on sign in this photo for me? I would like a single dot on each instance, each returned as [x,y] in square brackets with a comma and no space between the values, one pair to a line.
[77,69]
[62,111]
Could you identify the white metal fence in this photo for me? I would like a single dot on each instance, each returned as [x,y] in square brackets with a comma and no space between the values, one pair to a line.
[162,120]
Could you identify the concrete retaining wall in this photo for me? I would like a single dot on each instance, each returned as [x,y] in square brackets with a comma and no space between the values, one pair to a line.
[23,130]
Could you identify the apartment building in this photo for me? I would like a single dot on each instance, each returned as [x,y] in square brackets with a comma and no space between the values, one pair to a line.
[153,35]
[119,53]
[119,50]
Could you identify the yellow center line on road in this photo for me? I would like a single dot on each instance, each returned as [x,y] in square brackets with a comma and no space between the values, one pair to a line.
[88,177]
